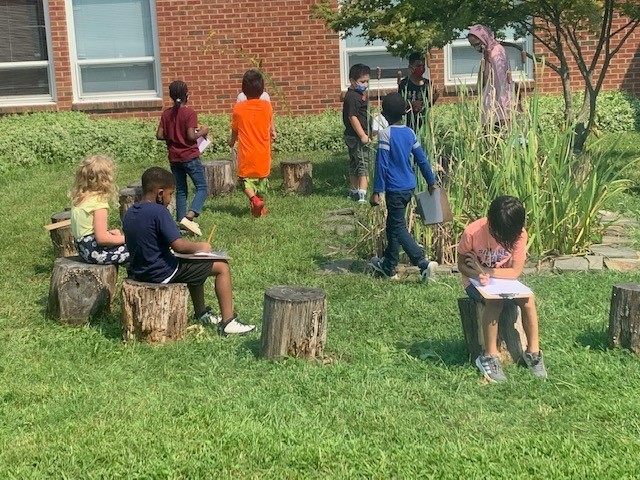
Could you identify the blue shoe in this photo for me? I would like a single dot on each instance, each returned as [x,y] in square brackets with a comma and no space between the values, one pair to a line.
[378,265]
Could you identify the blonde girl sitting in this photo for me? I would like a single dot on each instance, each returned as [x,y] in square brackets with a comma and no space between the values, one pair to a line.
[93,188]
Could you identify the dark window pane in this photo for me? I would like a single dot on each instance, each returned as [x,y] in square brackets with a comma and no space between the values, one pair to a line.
[117,78]
[31,81]
[22,31]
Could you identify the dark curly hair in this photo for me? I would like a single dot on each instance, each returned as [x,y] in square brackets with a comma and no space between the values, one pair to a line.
[506,220]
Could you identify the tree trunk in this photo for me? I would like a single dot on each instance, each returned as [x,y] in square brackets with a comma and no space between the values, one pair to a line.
[294,322]
[154,312]
[297,176]
[128,196]
[79,291]
[219,175]
[624,317]
[512,341]
[62,238]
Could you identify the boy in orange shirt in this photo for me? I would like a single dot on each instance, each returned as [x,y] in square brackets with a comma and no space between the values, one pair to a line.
[252,127]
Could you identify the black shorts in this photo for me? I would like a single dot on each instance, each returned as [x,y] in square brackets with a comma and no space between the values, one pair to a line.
[192,272]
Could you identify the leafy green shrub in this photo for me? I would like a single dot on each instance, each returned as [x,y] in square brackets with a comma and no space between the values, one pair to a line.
[618,112]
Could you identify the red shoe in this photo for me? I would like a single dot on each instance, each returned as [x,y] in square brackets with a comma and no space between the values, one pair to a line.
[264,211]
[256,206]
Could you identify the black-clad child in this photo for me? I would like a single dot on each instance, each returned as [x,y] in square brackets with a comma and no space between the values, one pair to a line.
[150,232]
[395,178]
[356,131]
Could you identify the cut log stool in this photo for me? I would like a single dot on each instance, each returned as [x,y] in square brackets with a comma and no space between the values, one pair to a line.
[297,176]
[62,238]
[127,197]
[79,290]
[512,341]
[294,322]
[624,317]
[219,175]
[154,312]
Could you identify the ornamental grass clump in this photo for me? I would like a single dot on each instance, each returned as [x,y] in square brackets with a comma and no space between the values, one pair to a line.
[476,163]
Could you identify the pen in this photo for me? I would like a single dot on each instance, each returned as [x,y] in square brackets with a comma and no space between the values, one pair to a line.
[479,267]
[213,229]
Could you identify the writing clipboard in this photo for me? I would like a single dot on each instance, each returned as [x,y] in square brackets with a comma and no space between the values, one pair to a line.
[502,289]
[433,208]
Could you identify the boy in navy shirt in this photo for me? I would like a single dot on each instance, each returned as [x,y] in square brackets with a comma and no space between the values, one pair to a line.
[395,178]
[150,232]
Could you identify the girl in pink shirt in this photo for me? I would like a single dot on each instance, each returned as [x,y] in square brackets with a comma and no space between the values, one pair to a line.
[495,246]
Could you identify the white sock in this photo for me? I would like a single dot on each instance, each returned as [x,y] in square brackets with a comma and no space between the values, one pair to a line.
[362,194]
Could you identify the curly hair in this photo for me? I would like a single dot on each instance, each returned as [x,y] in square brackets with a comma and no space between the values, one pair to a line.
[94,176]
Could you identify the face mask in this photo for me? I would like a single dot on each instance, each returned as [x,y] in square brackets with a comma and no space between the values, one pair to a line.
[159,199]
[419,71]
[361,88]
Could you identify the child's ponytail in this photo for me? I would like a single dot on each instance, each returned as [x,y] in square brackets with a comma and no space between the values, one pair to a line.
[178,92]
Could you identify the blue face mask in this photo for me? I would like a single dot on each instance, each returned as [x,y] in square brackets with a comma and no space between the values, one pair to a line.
[361,88]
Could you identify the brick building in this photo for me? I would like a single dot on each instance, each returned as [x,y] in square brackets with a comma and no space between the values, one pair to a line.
[117,57]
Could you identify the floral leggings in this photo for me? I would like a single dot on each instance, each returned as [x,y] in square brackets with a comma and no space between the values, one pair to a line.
[90,252]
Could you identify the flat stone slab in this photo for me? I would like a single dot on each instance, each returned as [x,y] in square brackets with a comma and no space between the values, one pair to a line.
[615,230]
[571,264]
[609,251]
[596,262]
[616,240]
[622,264]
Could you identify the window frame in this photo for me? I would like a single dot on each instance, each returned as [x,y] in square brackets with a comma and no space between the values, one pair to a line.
[524,75]
[76,64]
[19,100]
[374,84]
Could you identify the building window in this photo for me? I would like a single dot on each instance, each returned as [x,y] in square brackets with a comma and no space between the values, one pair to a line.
[114,48]
[26,75]
[354,49]
[462,61]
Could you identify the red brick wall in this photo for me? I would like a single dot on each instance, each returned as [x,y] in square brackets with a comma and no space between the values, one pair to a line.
[209,44]
[298,53]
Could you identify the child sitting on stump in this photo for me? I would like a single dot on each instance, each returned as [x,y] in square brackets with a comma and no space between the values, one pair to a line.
[496,246]
[150,233]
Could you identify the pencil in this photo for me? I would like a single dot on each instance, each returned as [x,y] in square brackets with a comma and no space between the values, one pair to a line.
[480,269]
[213,229]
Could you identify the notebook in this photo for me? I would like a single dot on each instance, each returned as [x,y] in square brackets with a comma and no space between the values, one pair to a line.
[203,142]
[500,288]
[216,255]
[433,208]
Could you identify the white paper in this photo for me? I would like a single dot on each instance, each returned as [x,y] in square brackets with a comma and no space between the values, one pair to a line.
[215,255]
[502,287]
[203,142]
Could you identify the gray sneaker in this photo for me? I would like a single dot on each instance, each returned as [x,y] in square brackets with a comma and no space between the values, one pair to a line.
[491,368]
[429,272]
[536,364]
[378,266]
[207,318]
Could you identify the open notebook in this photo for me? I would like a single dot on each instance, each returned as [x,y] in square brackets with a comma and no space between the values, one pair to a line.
[216,255]
[499,288]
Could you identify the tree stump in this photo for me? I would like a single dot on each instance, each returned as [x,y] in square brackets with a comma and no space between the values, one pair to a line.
[219,175]
[154,312]
[79,291]
[297,176]
[512,341]
[624,317]
[294,322]
[62,238]
[127,197]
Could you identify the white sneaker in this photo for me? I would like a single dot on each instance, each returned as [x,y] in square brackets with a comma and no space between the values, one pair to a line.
[192,226]
[234,327]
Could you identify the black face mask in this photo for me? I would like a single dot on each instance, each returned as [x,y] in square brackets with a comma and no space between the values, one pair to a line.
[159,199]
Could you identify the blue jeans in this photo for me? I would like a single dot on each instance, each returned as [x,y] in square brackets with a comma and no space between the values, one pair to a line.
[195,171]
[397,233]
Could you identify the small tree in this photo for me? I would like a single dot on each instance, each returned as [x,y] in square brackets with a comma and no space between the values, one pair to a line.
[561,26]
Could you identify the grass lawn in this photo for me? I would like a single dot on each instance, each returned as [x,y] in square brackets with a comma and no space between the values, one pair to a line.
[399,400]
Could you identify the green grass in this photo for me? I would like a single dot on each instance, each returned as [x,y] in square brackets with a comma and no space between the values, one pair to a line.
[398,400]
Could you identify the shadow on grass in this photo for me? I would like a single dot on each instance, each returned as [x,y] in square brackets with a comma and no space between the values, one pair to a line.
[595,339]
[251,344]
[233,210]
[330,176]
[451,351]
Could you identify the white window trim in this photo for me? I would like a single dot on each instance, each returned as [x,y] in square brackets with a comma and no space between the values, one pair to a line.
[19,100]
[374,84]
[518,76]
[79,97]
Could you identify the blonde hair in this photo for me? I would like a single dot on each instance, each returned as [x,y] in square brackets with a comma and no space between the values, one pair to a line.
[94,176]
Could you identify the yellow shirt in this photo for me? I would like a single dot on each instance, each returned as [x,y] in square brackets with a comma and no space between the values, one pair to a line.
[82,216]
